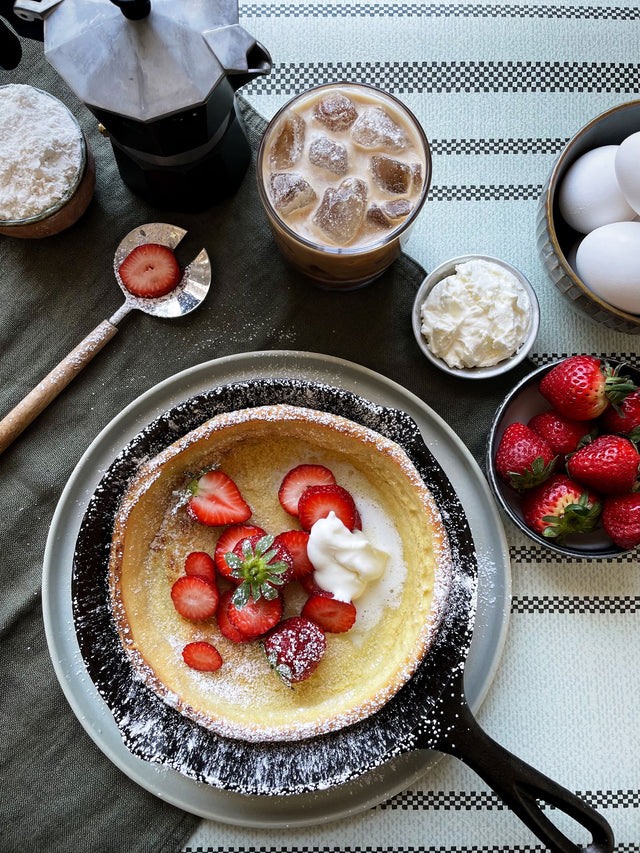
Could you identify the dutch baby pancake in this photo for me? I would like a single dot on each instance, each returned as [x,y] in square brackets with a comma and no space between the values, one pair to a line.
[370,585]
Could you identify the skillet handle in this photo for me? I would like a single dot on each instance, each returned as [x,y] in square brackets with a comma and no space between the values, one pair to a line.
[48,389]
[522,787]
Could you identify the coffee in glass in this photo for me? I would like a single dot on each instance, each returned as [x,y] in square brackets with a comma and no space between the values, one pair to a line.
[343,171]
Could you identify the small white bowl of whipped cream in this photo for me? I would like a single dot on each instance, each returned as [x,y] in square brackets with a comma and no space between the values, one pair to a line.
[475,317]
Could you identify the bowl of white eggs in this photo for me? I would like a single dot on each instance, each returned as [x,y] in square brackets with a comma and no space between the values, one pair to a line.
[588,228]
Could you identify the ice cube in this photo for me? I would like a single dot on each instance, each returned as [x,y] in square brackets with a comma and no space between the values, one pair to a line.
[290,192]
[329,155]
[397,208]
[335,111]
[342,210]
[416,174]
[374,128]
[288,143]
[376,216]
[391,175]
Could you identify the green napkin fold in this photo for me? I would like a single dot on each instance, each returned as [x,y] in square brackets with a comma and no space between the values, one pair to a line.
[59,791]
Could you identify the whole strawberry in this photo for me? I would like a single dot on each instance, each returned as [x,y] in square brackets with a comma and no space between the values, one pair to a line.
[624,418]
[560,507]
[260,567]
[621,519]
[294,649]
[581,387]
[609,464]
[523,459]
[563,435]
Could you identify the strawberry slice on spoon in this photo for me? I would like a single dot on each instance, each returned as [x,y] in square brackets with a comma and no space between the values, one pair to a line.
[150,271]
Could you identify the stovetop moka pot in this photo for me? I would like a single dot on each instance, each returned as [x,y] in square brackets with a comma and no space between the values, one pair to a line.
[161,77]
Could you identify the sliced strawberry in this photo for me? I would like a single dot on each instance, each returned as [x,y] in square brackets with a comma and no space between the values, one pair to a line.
[194,597]
[150,271]
[308,583]
[199,563]
[255,617]
[202,656]
[228,540]
[295,648]
[318,501]
[333,616]
[216,500]
[295,541]
[299,479]
[226,628]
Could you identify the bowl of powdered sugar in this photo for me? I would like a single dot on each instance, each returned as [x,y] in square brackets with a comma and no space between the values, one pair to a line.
[47,171]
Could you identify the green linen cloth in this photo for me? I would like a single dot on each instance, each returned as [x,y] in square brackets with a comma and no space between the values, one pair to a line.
[59,792]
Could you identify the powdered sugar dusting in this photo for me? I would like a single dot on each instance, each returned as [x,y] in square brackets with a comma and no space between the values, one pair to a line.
[156,731]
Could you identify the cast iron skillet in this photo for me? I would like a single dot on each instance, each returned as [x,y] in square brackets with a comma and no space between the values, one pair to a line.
[429,712]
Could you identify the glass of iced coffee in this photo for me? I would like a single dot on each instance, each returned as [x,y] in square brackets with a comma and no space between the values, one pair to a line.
[343,171]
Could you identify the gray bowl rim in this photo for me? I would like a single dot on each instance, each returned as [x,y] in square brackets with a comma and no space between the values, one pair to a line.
[440,272]
[549,196]
[525,382]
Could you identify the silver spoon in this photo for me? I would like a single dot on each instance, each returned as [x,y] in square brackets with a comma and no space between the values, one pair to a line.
[187,295]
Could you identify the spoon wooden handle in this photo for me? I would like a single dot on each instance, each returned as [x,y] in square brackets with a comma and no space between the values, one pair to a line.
[48,389]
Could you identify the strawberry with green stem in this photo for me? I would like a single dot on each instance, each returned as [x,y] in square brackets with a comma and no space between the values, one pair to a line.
[227,541]
[560,507]
[581,387]
[523,459]
[609,464]
[260,567]
[294,649]
[624,418]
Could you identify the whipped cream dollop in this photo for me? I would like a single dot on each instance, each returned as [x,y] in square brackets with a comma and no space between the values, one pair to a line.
[476,317]
[345,561]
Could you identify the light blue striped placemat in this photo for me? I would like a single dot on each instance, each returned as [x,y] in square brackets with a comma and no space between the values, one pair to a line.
[499,88]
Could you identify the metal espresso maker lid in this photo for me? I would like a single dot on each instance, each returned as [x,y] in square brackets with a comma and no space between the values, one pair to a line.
[161,77]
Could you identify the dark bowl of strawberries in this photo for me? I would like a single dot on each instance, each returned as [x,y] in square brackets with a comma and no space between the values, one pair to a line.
[563,458]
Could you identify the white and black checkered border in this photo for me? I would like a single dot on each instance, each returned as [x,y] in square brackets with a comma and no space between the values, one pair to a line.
[630,358]
[497,146]
[417,800]
[575,604]
[387,848]
[437,10]
[459,76]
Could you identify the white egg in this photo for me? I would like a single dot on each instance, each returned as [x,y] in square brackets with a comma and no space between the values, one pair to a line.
[608,262]
[589,195]
[627,166]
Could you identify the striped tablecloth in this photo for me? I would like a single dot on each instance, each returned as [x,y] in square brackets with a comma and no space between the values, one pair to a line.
[499,89]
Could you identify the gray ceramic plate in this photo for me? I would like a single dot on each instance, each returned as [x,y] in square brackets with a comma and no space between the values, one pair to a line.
[204,800]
